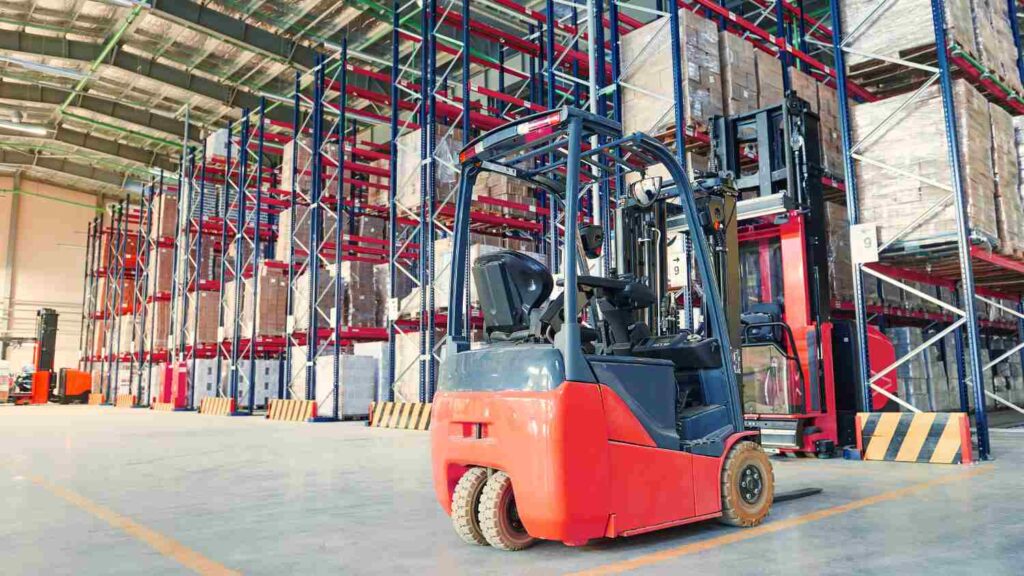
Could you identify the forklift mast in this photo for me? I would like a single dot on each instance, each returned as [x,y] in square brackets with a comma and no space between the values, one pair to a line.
[46,339]
[774,155]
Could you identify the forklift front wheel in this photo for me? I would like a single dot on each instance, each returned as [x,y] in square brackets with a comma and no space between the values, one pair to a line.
[499,517]
[748,485]
[466,504]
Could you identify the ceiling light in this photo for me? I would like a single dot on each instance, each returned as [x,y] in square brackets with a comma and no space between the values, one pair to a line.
[44,68]
[33,129]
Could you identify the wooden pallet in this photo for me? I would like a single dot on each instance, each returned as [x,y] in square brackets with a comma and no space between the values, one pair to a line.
[885,79]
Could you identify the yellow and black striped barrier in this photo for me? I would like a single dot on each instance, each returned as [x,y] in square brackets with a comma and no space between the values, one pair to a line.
[400,415]
[95,398]
[292,410]
[124,401]
[217,406]
[927,437]
[163,406]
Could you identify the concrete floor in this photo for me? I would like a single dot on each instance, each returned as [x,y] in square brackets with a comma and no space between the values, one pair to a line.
[90,490]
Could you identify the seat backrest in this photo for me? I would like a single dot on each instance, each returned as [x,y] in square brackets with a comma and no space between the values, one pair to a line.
[509,285]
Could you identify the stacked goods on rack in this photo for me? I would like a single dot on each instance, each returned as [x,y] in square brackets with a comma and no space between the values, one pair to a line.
[879,293]
[404,285]
[981,28]
[769,79]
[322,298]
[288,234]
[361,308]
[158,323]
[739,75]
[408,186]
[840,264]
[995,40]
[266,378]
[264,298]
[160,270]
[165,216]
[1009,215]
[201,317]
[408,365]
[903,31]
[917,145]
[913,374]
[647,101]
[828,127]
[297,167]
[357,376]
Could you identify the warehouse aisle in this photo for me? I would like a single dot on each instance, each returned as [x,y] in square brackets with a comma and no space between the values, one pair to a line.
[90,490]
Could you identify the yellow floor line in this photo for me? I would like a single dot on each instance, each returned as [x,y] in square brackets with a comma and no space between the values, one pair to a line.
[165,545]
[740,535]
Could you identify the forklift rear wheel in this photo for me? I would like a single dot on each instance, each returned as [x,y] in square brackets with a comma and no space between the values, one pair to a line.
[748,485]
[499,517]
[466,504]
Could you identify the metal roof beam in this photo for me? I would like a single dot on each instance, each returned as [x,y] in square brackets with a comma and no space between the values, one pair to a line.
[234,31]
[89,52]
[27,160]
[115,110]
[112,148]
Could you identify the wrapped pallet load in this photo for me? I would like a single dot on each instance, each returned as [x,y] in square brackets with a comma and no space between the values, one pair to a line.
[647,68]
[996,47]
[289,234]
[202,316]
[917,145]
[840,264]
[1009,214]
[769,80]
[408,184]
[739,75]
[903,29]
[323,297]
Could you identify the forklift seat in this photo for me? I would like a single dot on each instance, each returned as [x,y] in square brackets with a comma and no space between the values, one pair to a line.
[510,285]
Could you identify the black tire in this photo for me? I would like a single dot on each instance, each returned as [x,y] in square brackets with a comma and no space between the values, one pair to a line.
[499,518]
[465,504]
[748,485]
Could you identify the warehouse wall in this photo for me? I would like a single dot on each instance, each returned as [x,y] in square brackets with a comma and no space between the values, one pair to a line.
[46,264]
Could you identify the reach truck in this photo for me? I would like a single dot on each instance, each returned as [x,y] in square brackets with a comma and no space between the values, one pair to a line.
[590,413]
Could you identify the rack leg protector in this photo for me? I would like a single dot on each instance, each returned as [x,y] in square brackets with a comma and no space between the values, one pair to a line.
[217,406]
[292,410]
[926,437]
[124,401]
[401,415]
[95,399]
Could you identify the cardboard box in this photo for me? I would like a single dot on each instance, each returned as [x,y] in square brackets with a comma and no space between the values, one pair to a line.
[739,75]
[918,145]
[647,68]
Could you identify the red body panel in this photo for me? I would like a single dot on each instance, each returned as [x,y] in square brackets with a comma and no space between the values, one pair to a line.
[40,388]
[572,482]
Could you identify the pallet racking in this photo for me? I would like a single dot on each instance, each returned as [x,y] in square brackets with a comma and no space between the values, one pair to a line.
[972,272]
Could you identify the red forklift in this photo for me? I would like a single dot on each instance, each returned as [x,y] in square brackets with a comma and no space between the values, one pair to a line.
[799,365]
[34,387]
[590,413]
